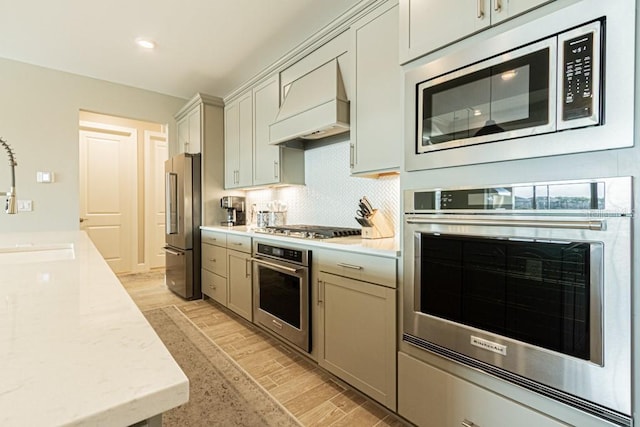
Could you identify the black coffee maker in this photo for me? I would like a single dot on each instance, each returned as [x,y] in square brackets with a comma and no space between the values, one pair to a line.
[235,210]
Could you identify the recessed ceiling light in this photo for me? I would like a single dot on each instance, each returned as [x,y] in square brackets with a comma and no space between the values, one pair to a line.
[146,43]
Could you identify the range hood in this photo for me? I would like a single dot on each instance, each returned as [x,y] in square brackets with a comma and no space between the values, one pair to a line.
[316,106]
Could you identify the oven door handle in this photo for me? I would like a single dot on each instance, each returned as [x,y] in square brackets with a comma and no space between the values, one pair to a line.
[274,265]
[576,225]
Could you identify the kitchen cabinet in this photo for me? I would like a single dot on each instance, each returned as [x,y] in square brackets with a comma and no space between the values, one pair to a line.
[189,131]
[214,265]
[376,119]
[226,270]
[357,321]
[430,397]
[239,290]
[427,25]
[273,164]
[200,129]
[249,158]
[238,142]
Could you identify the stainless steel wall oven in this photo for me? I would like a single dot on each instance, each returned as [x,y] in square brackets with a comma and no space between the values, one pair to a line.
[528,282]
[281,291]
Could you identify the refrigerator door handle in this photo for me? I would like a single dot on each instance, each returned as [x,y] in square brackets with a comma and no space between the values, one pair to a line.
[171,203]
[172,252]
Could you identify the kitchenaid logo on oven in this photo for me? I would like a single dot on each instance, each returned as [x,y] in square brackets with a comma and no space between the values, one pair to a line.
[489,345]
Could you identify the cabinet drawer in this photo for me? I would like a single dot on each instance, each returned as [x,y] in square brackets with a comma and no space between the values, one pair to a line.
[239,243]
[214,286]
[430,397]
[214,237]
[214,259]
[363,267]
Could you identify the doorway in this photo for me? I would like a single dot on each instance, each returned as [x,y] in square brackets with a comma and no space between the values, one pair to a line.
[122,189]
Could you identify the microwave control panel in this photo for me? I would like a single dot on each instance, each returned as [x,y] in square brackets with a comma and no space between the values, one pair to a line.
[580,70]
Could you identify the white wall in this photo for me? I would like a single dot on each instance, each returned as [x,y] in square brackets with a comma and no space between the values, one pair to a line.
[39,110]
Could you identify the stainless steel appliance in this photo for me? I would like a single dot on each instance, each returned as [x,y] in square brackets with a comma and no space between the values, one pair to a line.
[235,207]
[281,291]
[538,89]
[528,282]
[182,226]
[515,94]
[310,231]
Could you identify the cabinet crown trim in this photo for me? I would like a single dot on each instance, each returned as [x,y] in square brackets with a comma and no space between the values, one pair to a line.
[199,98]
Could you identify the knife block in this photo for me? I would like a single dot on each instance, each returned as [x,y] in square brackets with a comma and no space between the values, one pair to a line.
[381,228]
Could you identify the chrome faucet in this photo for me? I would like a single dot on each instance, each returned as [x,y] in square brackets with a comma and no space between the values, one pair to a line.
[11,207]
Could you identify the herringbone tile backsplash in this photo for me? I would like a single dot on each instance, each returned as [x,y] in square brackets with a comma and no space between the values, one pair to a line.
[330,196]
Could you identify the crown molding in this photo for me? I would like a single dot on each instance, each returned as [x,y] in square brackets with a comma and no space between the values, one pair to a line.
[199,98]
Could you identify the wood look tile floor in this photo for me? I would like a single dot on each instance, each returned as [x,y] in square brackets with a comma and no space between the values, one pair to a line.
[310,393]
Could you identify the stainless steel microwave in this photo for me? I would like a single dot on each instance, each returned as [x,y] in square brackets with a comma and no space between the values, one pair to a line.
[558,81]
[547,86]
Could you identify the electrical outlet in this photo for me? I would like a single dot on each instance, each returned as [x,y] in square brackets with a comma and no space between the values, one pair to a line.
[25,205]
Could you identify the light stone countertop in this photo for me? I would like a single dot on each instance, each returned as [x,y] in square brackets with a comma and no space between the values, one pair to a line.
[74,348]
[389,247]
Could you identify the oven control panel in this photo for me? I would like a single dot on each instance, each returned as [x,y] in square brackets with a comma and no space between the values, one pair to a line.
[298,256]
[574,196]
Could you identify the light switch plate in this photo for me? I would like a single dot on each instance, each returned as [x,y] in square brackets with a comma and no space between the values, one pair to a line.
[25,205]
[44,177]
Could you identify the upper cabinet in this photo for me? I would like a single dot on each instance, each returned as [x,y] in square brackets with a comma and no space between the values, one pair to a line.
[249,158]
[426,25]
[200,130]
[238,142]
[189,131]
[376,119]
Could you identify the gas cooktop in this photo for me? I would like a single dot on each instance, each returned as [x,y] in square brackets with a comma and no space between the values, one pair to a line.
[310,231]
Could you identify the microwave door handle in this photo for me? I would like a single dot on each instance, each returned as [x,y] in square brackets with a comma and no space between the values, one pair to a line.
[574,225]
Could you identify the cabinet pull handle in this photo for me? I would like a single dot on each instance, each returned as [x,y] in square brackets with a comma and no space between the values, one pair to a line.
[212,259]
[351,155]
[276,169]
[237,243]
[497,5]
[480,9]
[247,268]
[351,266]
[467,423]
[320,292]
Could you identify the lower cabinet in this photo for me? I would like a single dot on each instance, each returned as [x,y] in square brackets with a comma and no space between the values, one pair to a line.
[226,270]
[430,397]
[239,277]
[357,323]
[214,286]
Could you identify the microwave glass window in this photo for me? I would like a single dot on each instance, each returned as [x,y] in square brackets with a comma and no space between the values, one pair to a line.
[508,96]
[535,292]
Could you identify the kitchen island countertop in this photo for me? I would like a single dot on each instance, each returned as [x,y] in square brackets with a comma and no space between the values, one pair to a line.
[74,348]
[382,247]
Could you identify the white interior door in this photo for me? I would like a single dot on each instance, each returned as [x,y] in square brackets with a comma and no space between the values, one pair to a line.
[156,152]
[108,191]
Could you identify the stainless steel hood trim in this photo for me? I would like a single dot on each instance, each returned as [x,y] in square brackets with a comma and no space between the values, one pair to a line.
[315,107]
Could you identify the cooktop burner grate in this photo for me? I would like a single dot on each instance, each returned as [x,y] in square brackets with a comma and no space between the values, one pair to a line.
[311,231]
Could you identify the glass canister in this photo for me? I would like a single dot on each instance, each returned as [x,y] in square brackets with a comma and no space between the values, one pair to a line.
[277,219]
[262,219]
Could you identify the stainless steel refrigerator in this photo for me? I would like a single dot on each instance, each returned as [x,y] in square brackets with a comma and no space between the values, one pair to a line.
[182,225]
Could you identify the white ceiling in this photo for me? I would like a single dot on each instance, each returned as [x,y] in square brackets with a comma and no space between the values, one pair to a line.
[209,46]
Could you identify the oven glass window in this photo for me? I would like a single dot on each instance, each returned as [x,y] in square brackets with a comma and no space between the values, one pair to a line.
[536,292]
[509,96]
[280,295]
